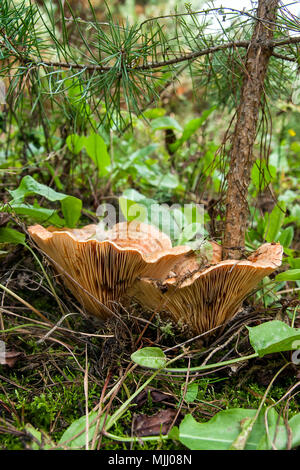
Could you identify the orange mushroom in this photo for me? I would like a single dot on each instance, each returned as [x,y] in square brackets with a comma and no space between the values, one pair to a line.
[208,297]
[100,271]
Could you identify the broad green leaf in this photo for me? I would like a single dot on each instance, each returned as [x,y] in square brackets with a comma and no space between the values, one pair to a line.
[286,237]
[40,441]
[96,149]
[189,233]
[290,275]
[29,187]
[154,113]
[79,426]
[165,122]
[9,235]
[273,336]
[148,210]
[179,217]
[130,207]
[71,206]
[294,262]
[274,222]
[246,428]
[161,216]
[222,430]
[150,357]
[278,435]
[168,181]
[193,214]
[132,210]
[174,433]
[133,195]
[75,143]
[37,213]
[191,392]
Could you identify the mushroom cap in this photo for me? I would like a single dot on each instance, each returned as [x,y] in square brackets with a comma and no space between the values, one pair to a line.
[211,296]
[99,273]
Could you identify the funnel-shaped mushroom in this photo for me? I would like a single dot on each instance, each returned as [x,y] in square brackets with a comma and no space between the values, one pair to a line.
[99,272]
[208,298]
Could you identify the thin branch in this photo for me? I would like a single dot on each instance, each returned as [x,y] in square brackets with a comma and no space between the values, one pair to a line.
[222,11]
[176,60]
[284,57]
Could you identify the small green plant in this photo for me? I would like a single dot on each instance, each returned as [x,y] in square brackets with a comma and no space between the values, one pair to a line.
[70,205]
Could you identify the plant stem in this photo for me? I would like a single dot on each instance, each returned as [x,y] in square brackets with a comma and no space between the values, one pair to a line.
[211,366]
[17,297]
[47,277]
[135,439]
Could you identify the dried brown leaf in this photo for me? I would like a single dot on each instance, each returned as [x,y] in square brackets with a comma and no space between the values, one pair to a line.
[9,358]
[154,425]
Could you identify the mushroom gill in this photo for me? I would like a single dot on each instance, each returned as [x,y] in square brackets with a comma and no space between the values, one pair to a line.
[212,295]
[100,271]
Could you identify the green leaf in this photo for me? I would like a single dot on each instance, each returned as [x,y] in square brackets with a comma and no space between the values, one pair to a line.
[279,437]
[174,433]
[75,143]
[132,210]
[133,195]
[9,235]
[97,150]
[40,441]
[165,122]
[135,206]
[168,181]
[273,336]
[37,213]
[150,357]
[193,214]
[286,237]
[294,262]
[30,187]
[222,430]
[154,113]
[290,275]
[79,426]
[191,392]
[189,232]
[71,206]
[274,222]
[130,207]
[161,216]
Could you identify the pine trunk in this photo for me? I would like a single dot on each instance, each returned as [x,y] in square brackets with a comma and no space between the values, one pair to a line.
[241,155]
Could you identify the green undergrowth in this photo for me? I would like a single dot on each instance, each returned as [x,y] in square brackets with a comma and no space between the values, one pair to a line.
[45,388]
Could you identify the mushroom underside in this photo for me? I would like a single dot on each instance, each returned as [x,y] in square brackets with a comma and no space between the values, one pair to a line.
[103,274]
[99,273]
[208,298]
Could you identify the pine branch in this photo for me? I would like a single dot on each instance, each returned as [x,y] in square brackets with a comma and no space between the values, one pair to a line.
[123,64]
[157,65]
